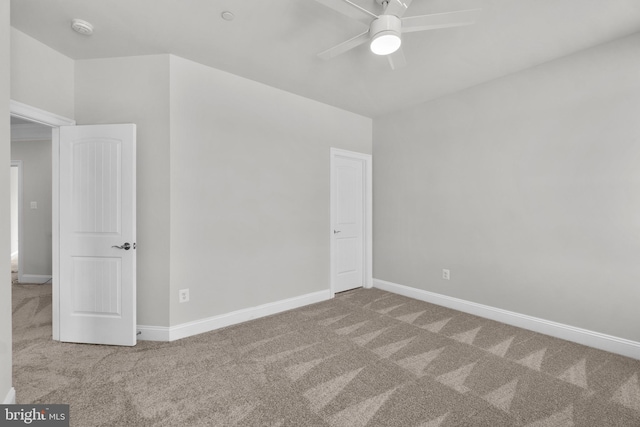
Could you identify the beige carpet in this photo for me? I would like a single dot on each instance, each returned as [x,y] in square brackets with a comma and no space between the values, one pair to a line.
[365,358]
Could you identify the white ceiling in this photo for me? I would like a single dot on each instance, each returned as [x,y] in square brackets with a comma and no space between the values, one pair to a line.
[276,42]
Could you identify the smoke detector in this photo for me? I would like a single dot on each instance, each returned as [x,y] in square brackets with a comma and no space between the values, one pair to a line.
[227,16]
[82,27]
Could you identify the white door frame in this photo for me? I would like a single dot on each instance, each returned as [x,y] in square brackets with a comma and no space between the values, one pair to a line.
[54,121]
[18,164]
[366,160]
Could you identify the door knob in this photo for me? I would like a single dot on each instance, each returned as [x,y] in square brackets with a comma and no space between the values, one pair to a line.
[126,246]
[336,231]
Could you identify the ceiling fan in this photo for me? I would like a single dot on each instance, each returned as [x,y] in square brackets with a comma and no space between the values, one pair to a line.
[385,30]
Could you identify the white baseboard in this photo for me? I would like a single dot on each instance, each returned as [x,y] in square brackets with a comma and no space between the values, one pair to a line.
[34,278]
[11,397]
[586,337]
[153,333]
[161,333]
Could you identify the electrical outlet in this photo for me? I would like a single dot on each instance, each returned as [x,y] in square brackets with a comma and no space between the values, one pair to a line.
[446,274]
[184,295]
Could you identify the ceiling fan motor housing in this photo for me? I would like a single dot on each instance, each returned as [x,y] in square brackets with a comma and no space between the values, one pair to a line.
[385,27]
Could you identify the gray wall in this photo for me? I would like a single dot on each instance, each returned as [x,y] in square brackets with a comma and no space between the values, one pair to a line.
[527,188]
[5,268]
[136,90]
[40,76]
[249,190]
[36,223]
[237,137]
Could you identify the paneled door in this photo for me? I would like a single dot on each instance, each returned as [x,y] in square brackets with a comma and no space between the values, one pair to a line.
[348,221]
[97,279]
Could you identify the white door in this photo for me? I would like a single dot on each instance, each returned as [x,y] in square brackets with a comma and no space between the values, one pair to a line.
[348,222]
[97,279]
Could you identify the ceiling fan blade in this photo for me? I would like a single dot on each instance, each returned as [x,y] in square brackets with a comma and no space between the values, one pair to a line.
[397,7]
[439,20]
[350,9]
[397,59]
[343,47]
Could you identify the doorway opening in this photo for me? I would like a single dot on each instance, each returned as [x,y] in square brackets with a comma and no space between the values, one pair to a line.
[47,125]
[31,224]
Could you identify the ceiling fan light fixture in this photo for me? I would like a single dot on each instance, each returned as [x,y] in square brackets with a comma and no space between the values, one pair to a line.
[385,35]
[385,43]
